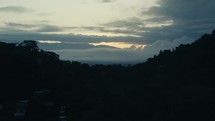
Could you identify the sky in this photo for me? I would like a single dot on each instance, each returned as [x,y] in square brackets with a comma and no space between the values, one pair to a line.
[106,31]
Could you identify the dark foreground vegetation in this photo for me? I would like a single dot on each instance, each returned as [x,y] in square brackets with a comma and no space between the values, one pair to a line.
[175,85]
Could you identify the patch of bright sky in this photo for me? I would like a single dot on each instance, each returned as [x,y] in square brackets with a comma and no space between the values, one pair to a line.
[49,41]
[120,45]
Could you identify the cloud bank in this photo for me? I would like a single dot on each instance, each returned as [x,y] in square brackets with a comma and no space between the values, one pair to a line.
[15,9]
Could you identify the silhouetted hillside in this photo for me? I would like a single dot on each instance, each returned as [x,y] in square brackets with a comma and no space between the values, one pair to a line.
[175,85]
[187,64]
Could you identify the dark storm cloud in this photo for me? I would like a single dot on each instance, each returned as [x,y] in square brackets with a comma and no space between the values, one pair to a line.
[184,9]
[190,17]
[15,9]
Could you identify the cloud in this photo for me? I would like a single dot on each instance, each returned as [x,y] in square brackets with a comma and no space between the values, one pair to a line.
[158,45]
[107,1]
[190,18]
[44,27]
[45,14]
[8,35]
[50,28]
[135,26]
[15,9]
[36,28]
[131,22]
[183,9]
[19,25]
[84,28]
[132,26]
[168,20]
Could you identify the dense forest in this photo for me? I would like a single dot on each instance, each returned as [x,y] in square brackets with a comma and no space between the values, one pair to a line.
[175,85]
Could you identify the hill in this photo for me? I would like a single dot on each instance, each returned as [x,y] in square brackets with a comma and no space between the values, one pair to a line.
[174,85]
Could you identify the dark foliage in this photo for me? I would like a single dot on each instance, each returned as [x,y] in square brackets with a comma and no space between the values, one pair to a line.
[175,85]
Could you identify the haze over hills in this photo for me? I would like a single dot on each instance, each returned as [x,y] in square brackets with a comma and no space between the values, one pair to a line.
[174,85]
